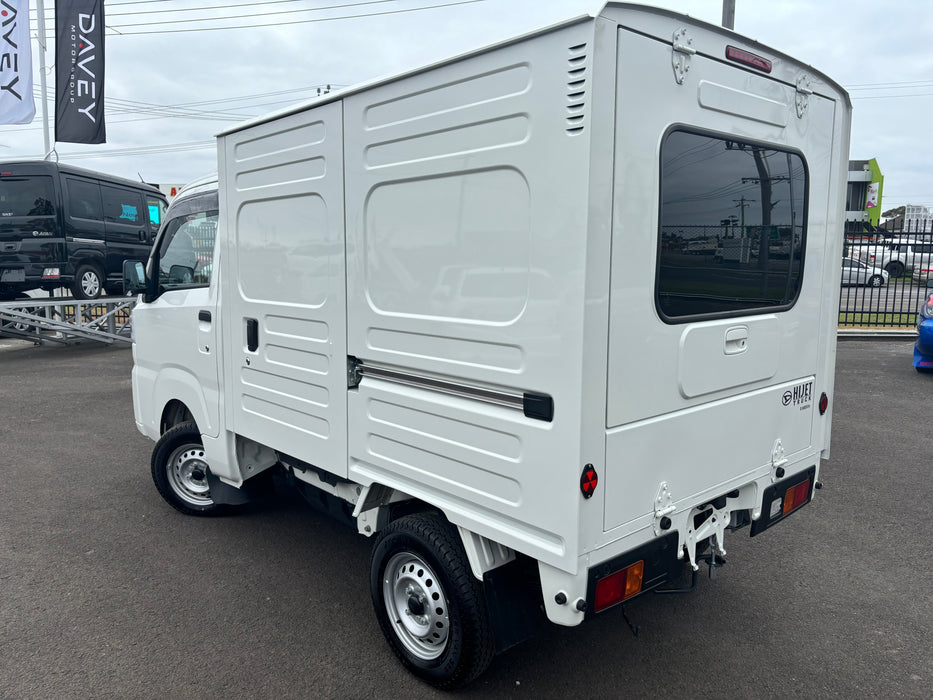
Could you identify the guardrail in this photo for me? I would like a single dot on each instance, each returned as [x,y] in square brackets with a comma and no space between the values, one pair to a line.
[66,321]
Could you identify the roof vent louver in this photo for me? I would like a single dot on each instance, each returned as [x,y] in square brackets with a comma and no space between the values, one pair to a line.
[576,89]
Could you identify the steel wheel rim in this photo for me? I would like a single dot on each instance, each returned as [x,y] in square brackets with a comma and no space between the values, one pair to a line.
[416,605]
[90,284]
[187,475]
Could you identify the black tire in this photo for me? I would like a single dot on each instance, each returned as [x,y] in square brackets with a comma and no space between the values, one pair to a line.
[876,281]
[431,608]
[895,269]
[179,471]
[924,370]
[114,289]
[88,282]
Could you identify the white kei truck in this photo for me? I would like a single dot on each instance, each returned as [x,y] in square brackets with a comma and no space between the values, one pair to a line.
[462,303]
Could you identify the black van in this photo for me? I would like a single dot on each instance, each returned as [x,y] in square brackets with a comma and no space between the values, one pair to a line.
[65,226]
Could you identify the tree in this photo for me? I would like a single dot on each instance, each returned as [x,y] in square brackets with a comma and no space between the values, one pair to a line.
[893,213]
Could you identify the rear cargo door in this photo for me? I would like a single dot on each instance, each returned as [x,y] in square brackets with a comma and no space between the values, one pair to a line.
[284,290]
[721,185]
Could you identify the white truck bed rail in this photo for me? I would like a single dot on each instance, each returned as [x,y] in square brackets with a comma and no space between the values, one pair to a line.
[67,321]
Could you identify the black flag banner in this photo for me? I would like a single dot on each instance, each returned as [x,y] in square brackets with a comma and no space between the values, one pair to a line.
[79,71]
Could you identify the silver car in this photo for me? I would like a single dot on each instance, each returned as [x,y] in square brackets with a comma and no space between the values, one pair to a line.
[855,272]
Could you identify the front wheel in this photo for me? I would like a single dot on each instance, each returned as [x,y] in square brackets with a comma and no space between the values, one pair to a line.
[179,470]
[431,608]
[876,281]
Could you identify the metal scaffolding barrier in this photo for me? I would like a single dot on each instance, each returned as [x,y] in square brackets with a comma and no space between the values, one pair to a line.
[67,321]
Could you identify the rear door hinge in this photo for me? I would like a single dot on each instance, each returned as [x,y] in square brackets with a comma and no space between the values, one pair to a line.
[778,460]
[682,46]
[663,508]
[804,90]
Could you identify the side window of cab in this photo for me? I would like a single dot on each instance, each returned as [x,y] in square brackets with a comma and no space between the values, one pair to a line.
[186,246]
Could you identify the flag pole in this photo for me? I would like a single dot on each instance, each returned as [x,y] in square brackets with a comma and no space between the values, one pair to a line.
[40,11]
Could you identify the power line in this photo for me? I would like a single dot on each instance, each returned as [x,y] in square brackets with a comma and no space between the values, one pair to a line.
[116,28]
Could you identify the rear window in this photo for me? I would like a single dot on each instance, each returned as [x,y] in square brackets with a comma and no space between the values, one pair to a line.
[732,227]
[26,196]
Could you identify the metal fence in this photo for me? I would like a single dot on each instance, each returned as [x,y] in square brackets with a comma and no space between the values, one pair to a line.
[871,298]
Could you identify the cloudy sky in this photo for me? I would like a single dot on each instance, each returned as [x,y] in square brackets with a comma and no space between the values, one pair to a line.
[178,74]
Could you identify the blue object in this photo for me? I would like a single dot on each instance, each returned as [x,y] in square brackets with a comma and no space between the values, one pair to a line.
[923,350]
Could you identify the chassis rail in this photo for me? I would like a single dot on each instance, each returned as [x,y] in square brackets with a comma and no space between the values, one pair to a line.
[66,321]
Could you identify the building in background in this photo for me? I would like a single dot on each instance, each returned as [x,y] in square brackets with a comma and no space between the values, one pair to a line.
[863,196]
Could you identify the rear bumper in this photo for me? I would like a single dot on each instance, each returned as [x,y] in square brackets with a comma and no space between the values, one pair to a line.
[675,542]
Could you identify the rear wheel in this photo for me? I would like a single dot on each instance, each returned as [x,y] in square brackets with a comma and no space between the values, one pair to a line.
[88,282]
[875,281]
[431,608]
[895,269]
[179,470]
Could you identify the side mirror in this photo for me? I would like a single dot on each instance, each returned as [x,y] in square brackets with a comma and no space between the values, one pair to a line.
[134,277]
[181,274]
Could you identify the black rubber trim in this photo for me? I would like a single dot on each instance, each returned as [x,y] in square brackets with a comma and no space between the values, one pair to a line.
[538,406]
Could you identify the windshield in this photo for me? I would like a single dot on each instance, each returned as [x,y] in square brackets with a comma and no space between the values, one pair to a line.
[26,196]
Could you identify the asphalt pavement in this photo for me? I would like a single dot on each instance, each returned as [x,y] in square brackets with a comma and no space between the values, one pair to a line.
[107,592]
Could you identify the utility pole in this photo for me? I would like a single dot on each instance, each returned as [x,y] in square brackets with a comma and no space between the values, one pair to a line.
[741,204]
[40,11]
[728,14]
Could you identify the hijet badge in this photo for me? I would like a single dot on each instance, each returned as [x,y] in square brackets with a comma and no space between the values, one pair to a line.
[800,396]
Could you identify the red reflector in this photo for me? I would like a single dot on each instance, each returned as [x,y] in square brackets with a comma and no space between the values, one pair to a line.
[733,53]
[616,587]
[824,403]
[796,496]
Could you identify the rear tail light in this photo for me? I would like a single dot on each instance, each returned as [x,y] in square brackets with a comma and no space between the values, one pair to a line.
[796,496]
[618,586]
[50,273]
[928,307]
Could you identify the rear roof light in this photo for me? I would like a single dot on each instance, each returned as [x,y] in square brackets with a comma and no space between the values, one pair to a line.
[734,53]
[618,586]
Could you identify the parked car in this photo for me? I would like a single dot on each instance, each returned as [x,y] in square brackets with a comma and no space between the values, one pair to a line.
[855,272]
[923,350]
[62,226]
[897,256]
[923,272]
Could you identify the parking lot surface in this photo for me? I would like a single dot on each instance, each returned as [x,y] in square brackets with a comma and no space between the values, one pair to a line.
[106,591]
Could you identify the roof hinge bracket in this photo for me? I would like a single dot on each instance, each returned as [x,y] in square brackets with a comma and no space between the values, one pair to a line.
[804,90]
[680,56]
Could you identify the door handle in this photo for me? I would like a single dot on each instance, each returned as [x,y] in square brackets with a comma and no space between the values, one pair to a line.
[252,334]
[204,315]
[736,340]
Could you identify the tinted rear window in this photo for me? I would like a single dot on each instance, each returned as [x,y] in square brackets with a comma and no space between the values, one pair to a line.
[732,227]
[26,196]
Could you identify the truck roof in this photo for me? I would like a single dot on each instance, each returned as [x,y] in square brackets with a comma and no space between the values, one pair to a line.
[610,11]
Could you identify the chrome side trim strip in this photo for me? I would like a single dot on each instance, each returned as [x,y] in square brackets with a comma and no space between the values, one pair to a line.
[508,399]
